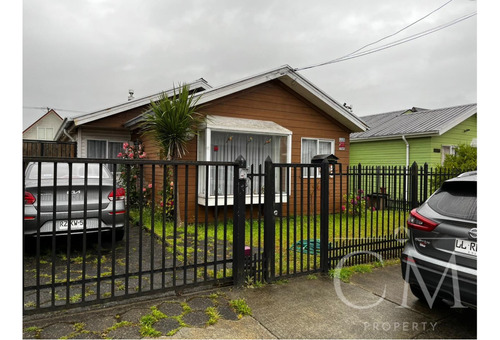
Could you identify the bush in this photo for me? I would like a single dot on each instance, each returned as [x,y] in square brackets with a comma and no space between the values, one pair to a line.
[355,203]
[464,159]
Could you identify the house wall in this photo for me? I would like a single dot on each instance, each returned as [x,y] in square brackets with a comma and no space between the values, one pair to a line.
[110,129]
[389,152]
[393,152]
[51,120]
[271,101]
[455,137]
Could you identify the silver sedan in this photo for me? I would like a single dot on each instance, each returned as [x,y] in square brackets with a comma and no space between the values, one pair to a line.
[86,200]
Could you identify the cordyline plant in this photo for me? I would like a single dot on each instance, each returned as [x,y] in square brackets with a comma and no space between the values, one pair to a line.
[173,121]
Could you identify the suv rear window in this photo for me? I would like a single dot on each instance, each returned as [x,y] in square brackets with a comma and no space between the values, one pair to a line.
[456,199]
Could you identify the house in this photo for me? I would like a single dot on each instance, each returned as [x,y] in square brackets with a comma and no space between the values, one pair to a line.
[277,113]
[44,128]
[402,137]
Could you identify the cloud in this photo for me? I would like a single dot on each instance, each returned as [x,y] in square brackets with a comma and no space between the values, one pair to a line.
[85,55]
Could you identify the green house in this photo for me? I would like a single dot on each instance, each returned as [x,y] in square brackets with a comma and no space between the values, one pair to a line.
[400,138]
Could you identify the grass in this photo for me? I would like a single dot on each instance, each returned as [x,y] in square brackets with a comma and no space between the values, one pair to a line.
[241,307]
[345,273]
[288,231]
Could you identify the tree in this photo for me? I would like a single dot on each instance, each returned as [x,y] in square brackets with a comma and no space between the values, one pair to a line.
[173,121]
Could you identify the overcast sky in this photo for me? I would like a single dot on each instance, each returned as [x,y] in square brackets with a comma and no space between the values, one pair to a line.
[81,56]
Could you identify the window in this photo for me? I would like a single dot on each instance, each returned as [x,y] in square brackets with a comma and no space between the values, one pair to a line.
[311,147]
[224,139]
[446,150]
[45,133]
[103,149]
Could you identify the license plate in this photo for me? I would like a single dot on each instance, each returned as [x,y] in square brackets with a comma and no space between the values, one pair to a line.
[75,225]
[466,247]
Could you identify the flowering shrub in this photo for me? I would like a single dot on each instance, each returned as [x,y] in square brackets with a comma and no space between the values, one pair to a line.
[355,203]
[136,192]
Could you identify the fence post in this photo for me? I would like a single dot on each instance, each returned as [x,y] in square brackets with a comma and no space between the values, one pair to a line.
[239,182]
[426,182]
[269,225]
[324,215]
[414,185]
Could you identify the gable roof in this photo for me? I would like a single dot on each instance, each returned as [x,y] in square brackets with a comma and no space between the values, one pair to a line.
[50,112]
[415,122]
[285,74]
[198,85]
[297,83]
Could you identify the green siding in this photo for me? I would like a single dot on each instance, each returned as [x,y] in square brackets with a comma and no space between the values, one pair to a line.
[393,152]
[455,137]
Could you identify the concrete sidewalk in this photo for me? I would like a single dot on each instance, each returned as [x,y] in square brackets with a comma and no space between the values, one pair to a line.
[303,307]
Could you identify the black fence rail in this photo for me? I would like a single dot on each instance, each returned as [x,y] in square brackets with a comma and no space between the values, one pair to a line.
[101,230]
[98,230]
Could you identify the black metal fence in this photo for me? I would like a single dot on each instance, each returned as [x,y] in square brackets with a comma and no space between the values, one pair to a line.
[101,230]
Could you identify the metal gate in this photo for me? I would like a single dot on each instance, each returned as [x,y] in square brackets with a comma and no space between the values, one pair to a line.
[204,223]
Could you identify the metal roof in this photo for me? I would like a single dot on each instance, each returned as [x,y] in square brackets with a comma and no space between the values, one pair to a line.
[413,122]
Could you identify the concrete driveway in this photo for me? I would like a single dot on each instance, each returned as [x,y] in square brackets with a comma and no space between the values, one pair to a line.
[307,308]
[370,306]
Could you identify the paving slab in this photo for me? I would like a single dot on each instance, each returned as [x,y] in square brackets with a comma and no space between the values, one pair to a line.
[368,307]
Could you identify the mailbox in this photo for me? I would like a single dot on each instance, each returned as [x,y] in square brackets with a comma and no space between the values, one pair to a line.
[331,158]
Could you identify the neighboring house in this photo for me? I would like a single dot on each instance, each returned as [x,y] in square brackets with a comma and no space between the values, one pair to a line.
[278,113]
[419,135]
[44,128]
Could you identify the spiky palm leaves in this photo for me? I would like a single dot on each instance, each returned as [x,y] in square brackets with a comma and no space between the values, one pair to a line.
[173,121]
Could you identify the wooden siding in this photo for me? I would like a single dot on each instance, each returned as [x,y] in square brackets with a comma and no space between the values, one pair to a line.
[271,101]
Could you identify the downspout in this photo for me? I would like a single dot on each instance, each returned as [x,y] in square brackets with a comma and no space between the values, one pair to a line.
[68,135]
[407,151]
[407,164]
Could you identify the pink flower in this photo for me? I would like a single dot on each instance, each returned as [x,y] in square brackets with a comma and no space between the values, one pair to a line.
[120,155]
[343,208]
[125,145]
[131,155]
[143,189]
[150,185]
[172,184]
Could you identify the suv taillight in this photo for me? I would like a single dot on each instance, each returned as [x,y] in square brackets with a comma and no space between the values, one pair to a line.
[119,193]
[417,221]
[29,198]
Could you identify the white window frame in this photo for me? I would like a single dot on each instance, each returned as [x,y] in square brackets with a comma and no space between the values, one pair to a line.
[306,161]
[452,149]
[205,144]
[39,131]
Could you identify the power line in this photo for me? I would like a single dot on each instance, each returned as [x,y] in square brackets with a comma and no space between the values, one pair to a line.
[401,30]
[353,55]
[53,108]
[395,43]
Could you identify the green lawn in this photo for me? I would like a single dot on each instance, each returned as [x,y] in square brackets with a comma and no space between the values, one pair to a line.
[288,231]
